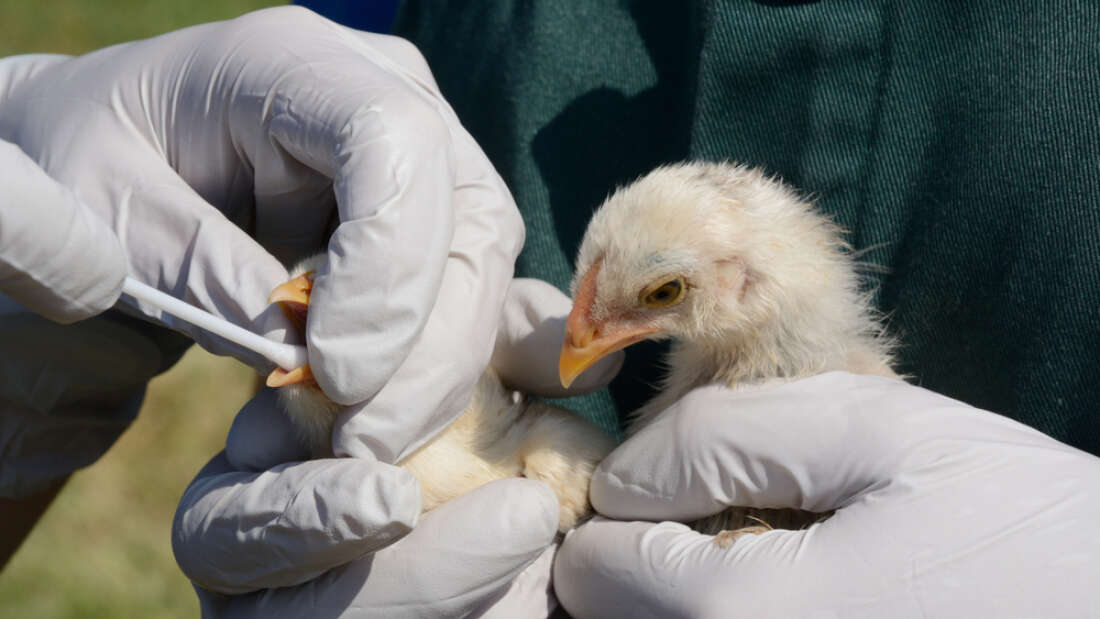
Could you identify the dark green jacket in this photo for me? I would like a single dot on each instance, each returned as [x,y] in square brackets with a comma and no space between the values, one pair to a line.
[958,142]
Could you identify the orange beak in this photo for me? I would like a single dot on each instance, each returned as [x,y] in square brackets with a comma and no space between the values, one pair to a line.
[293,298]
[588,341]
[280,377]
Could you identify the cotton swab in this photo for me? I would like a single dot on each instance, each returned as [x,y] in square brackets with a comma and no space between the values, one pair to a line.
[286,356]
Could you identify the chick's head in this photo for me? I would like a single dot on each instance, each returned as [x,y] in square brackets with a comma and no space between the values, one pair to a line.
[703,253]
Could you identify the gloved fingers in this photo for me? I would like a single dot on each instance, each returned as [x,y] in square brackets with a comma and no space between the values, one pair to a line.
[178,243]
[435,381]
[813,444]
[461,554]
[412,190]
[920,546]
[532,330]
[57,258]
[609,568]
[262,435]
[236,532]
[357,118]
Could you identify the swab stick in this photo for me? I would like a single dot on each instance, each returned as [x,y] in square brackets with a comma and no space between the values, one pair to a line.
[286,356]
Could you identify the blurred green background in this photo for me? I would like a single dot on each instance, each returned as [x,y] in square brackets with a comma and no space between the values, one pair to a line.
[78,26]
[103,549]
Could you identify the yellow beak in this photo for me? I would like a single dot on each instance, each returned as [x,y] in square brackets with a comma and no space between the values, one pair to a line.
[280,377]
[584,347]
[586,342]
[293,298]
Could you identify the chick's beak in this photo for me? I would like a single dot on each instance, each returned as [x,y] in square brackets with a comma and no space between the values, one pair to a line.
[585,345]
[293,298]
[588,341]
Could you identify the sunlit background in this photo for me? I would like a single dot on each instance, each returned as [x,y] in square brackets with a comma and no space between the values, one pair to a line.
[103,548]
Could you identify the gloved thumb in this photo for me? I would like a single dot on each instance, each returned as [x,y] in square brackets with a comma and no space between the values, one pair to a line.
[236,532]
[532,329]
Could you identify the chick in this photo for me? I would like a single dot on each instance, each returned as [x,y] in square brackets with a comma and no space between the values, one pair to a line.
[750,282]
[500,434]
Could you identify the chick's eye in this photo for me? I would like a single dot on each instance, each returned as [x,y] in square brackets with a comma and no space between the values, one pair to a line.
[664,295]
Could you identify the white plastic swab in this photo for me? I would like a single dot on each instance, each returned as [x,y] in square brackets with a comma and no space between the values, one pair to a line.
[286,356]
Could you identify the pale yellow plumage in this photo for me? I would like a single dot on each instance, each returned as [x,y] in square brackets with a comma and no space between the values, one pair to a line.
[758,287]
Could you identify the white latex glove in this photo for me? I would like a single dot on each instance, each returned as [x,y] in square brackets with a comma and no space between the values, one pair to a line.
[216,151]
[56,258]
[322,531]
[943,511]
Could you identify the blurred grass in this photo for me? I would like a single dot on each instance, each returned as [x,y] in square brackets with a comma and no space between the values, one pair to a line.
[78,26]
[103,549]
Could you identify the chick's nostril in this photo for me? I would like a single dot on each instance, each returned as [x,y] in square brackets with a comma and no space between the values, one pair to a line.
[582,337]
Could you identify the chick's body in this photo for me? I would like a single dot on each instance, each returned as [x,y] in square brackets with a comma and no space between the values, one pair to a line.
[500,434]
[751,283]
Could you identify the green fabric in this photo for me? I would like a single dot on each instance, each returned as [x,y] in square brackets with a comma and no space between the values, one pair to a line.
[958,142]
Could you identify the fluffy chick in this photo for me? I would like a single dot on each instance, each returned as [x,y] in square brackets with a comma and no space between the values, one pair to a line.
[500,434]
[751,283]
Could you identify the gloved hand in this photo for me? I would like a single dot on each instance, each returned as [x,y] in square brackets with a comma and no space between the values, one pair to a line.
[325,531]
[57,259]
[943,510]
[216,152]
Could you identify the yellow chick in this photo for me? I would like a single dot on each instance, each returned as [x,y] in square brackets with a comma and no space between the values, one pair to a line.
[750,282]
